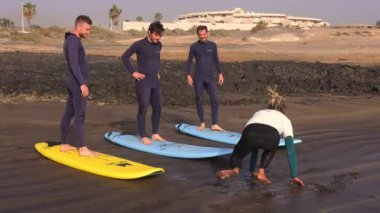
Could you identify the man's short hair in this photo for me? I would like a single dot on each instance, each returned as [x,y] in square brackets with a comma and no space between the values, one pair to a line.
[201,28]
[156,27]
[83,19]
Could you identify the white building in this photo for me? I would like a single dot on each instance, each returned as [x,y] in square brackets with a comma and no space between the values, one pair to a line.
[237,19]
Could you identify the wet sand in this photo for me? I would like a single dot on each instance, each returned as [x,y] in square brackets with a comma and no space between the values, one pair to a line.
[339,162]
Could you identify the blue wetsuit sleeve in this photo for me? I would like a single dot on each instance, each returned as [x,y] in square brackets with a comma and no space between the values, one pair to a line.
[292,156]
[189,61]
[73,46]
[126,58]
[216,60]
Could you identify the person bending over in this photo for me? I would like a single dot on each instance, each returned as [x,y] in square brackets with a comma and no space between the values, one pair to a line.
[263,131]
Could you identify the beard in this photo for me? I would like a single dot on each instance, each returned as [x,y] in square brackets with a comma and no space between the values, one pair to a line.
[83,35]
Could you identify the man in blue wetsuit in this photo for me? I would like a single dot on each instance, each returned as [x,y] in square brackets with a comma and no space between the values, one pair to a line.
[206,61]
[76,85]
[148,86]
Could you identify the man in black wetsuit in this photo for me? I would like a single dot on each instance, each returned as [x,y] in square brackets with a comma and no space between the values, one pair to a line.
[148,86]
[206,61]
[76,84]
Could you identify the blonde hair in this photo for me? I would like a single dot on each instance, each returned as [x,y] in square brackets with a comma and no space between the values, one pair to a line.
[276,101]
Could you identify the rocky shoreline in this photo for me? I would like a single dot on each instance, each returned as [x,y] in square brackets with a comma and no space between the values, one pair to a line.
[43,75]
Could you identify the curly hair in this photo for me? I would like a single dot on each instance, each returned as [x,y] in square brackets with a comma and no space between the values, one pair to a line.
[276,101]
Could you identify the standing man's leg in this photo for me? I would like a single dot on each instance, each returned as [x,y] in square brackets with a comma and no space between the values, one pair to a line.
[156,102]
[213,94]
[79,105]
[198,86]
[65,123]
[143,93]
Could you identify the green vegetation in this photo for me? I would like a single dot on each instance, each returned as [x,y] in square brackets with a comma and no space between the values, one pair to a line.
[378,23]
[114,14]
[220,32]
[100,33]
[52,32]
[136,33]
[29,11]
[35,27]
[260,26]
[6,23]
[193,29]
[28,37]
[139,19]
[158,16]
[177,32]
[56,29]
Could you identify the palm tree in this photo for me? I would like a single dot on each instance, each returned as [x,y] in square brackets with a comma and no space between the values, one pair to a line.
[139,19]
[158,16]
[114,14]
[29,11]
[6,23]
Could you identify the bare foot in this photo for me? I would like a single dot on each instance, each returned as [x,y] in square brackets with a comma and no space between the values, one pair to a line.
[224,174]
[260,176]
[84,151]
[216,127]
[146,141]
[263,179]
[66,147]
[297,181]
[202,126]
[157,137]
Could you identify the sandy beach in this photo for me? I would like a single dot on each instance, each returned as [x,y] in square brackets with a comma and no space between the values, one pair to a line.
[334,108]
[354,45]
[338,161]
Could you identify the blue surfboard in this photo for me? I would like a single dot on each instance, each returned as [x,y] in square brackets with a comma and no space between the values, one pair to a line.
[166,148]
[217,136]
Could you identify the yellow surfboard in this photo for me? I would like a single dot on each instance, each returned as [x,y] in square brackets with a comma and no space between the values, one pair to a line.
[103,164]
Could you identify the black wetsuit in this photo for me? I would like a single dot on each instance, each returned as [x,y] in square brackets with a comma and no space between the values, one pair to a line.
[206,62]
[78,75]
[256,136]
[148,90]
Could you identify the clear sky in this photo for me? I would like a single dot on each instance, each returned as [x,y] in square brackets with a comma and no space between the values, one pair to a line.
[63,12]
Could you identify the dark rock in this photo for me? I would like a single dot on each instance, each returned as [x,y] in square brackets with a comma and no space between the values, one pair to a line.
[44,74]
